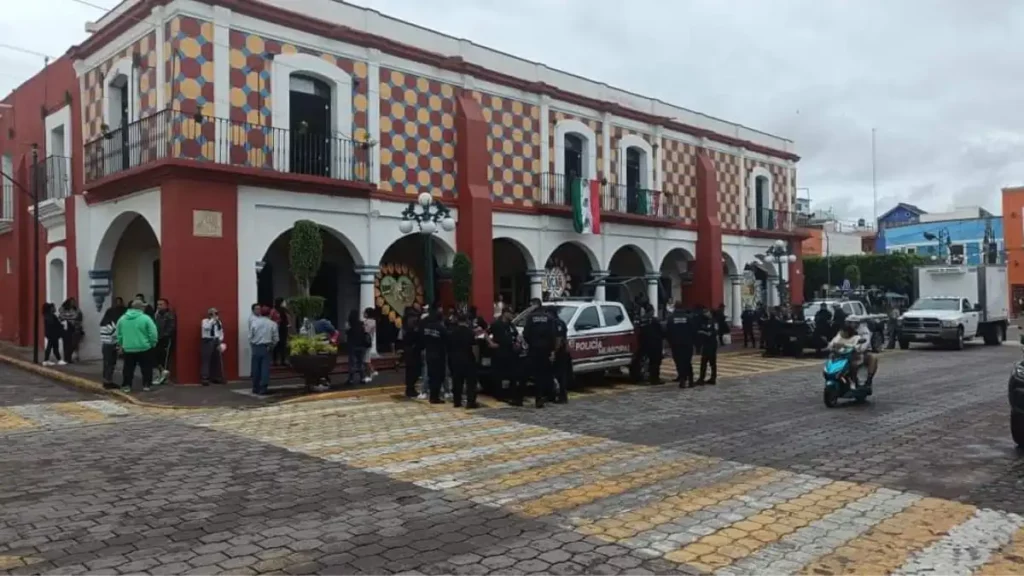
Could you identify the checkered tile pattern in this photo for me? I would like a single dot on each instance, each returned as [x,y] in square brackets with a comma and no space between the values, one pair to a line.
[679,180]
[188,47]
[145,77]
[730,189]
[557,116]
[780,199]
[618,132]
[251,59]
[513,144]
[417,134]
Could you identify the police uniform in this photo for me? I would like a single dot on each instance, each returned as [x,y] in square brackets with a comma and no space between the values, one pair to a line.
[563,362]
[504,365]
[652,337]
[680,339]
[462,360]
[435,346]
[540,334]
[640,355]
[708,335]
[412,348]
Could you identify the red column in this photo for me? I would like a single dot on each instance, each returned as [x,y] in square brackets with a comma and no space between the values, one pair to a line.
[198,272]
[473,234]
[796,273]
[707,276]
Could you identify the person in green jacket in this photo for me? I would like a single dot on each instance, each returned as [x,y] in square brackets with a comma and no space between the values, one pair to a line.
[136,337]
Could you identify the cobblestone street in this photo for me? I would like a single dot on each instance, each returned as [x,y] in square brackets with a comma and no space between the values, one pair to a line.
[752,476]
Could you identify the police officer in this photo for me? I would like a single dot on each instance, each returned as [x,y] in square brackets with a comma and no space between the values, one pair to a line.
[641,320]
[435,346]
[505,357]
[563,360]
[412,349]
[652,337]
[708,336]
[463,361]
[680,339]
[541,336]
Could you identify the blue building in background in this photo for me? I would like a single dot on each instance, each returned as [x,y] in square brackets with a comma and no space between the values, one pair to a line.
[966,238]
[901,214]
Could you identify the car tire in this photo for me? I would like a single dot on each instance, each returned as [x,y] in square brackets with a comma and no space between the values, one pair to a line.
[958,344]
[904,344]
[1017,428]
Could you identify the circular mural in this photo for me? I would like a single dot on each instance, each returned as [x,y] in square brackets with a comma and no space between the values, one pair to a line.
[556,283]
[397,287]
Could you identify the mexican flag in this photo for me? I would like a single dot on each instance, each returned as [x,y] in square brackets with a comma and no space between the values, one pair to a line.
[586,206]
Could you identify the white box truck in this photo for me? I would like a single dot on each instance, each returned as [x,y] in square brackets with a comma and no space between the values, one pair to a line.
[957,303]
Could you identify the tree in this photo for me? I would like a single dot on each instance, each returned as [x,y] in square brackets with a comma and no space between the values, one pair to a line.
[306,255]
[891,272]
[462,279]
[852,273]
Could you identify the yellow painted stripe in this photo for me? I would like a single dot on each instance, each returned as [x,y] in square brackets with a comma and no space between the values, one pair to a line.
[11,421]
[888,545]
[454,445]
[743,538]
[629,524]
[610,486]
[521,477]
[79,412]
[397,436]
[484,460]
[1009,560]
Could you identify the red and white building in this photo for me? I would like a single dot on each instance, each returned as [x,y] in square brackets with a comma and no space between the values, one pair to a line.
[184,138]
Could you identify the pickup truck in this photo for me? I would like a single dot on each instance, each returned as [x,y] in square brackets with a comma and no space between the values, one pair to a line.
[601,336]
[956,304]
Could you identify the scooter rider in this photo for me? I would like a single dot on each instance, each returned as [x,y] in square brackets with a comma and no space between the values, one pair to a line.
[680,340]
[851,335]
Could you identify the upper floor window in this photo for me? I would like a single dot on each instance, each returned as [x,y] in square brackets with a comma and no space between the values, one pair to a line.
[310,125]
[633,167]
[574,150]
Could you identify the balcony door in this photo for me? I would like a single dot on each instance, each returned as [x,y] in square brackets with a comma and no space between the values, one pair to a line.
[762,215]
[310,138]
[574,146]
[633,181]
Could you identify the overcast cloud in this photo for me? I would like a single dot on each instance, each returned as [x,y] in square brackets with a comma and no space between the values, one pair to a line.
[940,80]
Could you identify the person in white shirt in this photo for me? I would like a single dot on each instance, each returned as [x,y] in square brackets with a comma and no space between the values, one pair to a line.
[370,325]
[211,366]
[856,336]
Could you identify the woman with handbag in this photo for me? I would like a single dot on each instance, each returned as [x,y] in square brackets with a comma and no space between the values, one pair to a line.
[370,325]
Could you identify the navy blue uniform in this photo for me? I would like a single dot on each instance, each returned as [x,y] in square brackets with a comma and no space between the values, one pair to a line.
[540,333]
[435,345]
[708,336]
[563,363]
[505,359]
[462,360]
[680,338]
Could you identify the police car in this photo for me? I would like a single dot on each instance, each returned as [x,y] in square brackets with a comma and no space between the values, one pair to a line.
[600,334]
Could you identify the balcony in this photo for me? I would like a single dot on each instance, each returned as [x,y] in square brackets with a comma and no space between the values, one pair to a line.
[616,199]
[777,221]
[6,206]
[206,140]
[53,181]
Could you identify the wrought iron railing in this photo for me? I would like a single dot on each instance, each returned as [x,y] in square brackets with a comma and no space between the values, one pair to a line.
[177,135]
[771,220]
[556,189]
[55,177]
[7,203]
[624,199]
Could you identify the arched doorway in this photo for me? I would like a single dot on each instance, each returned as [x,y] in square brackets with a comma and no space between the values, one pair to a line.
[568,270]
[511,281]
[765,280]
[56,275]
[627,271]
[336,282]
[135,266]
[402,281]
[677,276]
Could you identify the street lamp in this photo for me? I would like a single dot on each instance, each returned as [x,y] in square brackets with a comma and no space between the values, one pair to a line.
[941,237]
[425,216]
[779,252]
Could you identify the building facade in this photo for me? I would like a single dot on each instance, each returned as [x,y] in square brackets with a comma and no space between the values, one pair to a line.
[967,239]
[208,128]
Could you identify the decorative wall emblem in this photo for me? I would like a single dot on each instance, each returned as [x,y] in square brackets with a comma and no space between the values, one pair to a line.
[207,224]
[556,282]
[396,287]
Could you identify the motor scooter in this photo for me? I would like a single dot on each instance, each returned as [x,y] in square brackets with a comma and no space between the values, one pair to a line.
[842,378]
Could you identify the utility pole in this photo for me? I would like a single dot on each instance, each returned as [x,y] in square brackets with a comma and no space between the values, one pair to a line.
[874,177]
[36,309]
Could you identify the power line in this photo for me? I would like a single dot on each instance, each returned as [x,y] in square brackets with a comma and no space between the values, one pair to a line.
[25,51]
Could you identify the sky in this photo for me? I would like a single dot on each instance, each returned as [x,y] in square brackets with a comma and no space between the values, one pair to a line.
[939,81]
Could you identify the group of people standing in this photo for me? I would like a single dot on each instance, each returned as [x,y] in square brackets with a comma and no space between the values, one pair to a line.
[62,328]
[142,336]
[699,329]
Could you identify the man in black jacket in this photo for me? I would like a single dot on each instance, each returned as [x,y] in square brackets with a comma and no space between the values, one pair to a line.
[166,328]
[708,336]
[435,345]
[680,338]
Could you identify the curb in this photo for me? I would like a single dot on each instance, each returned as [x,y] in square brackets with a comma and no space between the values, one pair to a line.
[87,385]
[378,391]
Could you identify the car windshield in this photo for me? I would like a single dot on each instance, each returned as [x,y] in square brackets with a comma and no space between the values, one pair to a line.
[951,304]
[812,308]
[565,313]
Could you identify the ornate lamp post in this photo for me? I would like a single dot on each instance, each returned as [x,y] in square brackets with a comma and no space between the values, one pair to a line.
[425,216]
[942,239]
[779,252]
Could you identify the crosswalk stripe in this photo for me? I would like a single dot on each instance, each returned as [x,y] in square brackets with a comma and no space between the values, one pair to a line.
[888,545]
[1009,560]
[376,440]
[107,407]
[474,433]
[736,541]
[11,420]
[521,439]
[78,411]
[43,415]
[447,444]
[967,546]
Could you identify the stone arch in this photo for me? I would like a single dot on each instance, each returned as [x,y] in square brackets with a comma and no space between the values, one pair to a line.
[284,66]
[595,263]
[729,264]
[283,226]
[765,266]
[123,68]
[573,126]
[57,275]
[645,260]
[115,230]
[528,258]
[646,159]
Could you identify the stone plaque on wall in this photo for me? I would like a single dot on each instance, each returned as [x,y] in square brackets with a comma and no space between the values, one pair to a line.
[207,224]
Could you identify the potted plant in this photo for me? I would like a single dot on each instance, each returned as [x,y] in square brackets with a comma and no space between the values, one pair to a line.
[312,356]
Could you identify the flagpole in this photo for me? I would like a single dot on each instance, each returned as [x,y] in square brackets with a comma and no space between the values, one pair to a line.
[874,176]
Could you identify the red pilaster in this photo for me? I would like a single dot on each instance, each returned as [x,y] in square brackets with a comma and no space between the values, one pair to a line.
[446,292]
[473,235]
[707,276]
[199,273]
[796,273]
